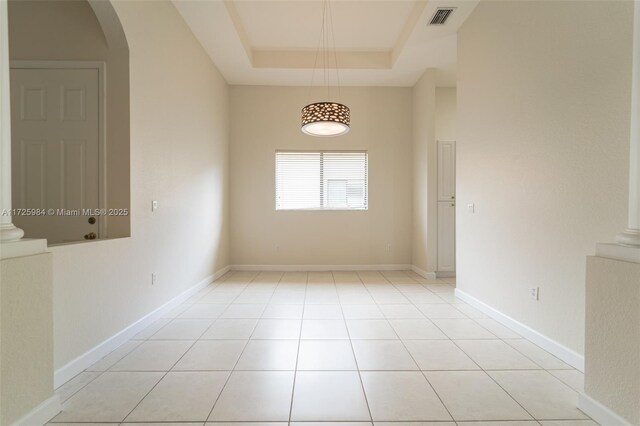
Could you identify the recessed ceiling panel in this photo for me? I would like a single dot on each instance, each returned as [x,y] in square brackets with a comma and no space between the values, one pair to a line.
[379,42]
[357,25]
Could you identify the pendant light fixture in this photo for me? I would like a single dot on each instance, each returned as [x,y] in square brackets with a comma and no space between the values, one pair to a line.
[327,118]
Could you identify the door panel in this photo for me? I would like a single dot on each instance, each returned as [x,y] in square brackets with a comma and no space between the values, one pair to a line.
[33,106]
[55,143]
[446,171]
[73,103]
[73,174]
[34,173]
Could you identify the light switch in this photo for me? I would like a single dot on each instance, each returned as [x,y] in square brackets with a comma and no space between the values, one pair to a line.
[471,208]
[154,205]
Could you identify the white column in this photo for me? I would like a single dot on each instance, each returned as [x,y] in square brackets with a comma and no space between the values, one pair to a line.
[8,232]
[631,236]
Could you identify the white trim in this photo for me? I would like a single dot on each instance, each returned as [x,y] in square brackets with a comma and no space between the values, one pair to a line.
[22,247]
[566,354]
[618,252]
[423,273]
[42,413]
[82,362]
[599,412]
[101,66]
[445,274]
[287,268]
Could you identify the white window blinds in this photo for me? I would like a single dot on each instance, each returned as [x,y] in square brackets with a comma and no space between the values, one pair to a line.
[324,180]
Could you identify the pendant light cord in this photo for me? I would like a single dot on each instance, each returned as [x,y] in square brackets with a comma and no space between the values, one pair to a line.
[335,51]
[325,49]
[327,36]
[315,62]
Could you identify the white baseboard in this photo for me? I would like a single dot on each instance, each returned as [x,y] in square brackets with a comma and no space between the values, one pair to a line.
[423,273]
[40,415]
[81,363]
[567,355]
[444,274]
[304,268]
[599,412]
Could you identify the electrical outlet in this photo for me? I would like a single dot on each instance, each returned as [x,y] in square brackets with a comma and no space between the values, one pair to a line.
[154,278]
[154,205]
[471,208]
[534,292]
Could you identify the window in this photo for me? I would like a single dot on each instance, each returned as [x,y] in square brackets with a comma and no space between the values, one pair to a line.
[325,180]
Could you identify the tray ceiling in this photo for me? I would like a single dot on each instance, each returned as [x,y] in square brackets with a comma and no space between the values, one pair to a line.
[378,42]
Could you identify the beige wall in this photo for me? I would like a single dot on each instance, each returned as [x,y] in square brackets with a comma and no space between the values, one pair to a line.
[264,119]
[445,121]
[424,150]
[26,335]
[179,151]
[35,34]
[612,348]
[543,139]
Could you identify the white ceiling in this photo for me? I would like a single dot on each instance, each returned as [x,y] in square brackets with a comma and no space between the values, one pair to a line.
[299,23]
[378,42]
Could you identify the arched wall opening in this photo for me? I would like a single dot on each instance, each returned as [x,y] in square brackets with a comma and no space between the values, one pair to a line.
[51,33]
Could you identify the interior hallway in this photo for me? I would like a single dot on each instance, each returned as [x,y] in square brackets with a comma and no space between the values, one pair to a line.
[278,347]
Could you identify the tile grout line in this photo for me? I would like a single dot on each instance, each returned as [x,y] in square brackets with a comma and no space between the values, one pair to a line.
[563,381]
[498,384]
[331,370]
[449,338]
[414,361]
[178,360]
[228,275]
[522,354]
[353,352]
[237,360]
[295,373]
[510,396]
[480,367]
[537,363]
[166,372]
[100,373]
[504,340]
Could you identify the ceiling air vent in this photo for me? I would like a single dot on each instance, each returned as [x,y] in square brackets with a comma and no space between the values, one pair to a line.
[441,16]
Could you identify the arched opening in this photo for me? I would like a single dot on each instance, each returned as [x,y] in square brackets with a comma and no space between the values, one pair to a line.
[70,120]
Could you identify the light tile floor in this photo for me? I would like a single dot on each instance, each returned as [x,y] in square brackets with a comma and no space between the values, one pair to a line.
[341,348]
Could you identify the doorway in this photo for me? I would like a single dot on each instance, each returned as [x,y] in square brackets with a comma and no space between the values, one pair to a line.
[57,133]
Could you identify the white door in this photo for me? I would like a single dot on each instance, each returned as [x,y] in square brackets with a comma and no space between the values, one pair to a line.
[55,151]
[446,206]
